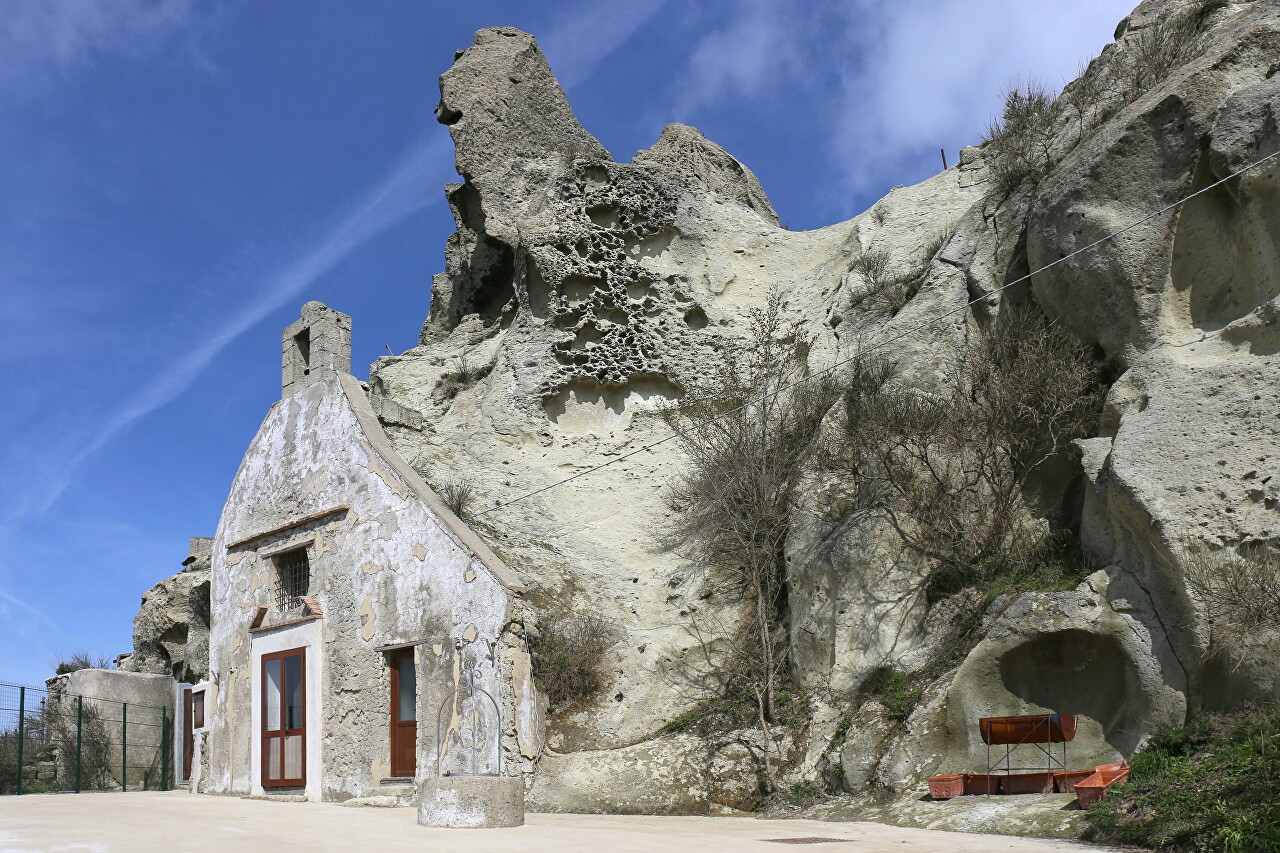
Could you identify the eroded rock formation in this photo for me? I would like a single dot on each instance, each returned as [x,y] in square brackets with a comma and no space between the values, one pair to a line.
[592,291]
[581,294]
[171,630]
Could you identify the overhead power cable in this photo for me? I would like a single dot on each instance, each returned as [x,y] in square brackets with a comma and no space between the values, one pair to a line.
[879,345]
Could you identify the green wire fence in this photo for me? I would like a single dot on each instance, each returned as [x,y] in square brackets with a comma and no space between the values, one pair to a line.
[55,741]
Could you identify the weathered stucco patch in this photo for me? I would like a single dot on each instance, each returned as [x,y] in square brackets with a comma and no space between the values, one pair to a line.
[367,626]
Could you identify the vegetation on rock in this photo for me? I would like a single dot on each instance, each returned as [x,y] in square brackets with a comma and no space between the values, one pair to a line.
[952,471]
[1209,784]
[81,660]
[569,655]
[1025,142]
[1239,591]
[733,502]
[893,689]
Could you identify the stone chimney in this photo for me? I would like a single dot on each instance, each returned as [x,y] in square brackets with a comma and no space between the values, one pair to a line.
[316,347]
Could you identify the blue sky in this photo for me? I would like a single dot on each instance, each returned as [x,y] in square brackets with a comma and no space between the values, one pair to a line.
[177,177]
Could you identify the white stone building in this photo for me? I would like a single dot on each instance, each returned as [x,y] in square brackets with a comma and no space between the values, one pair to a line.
[347,602]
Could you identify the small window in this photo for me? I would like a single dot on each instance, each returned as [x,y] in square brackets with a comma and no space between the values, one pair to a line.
[293,575]
[197,709]
[302,341]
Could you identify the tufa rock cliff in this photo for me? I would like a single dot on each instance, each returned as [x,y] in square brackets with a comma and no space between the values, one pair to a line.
[582,296]
[171,629]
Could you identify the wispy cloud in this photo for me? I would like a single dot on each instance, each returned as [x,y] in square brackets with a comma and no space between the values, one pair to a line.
[409,187]
[759,45]
[42,42]
[886,84]
[7,601]
[929,74]
[578,42]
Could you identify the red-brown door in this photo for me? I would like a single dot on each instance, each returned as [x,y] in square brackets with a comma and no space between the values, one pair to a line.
[404,714]
[284,719]
[188,736]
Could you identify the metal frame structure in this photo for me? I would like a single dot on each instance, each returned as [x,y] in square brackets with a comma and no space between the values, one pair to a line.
[469,675]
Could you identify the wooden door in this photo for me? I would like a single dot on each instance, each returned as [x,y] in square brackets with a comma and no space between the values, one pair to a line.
[284,719]
[188,735]
[404,714]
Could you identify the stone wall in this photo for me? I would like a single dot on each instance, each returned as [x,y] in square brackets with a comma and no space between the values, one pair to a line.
[390,566]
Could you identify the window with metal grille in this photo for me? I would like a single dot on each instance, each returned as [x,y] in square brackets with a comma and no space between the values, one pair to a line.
[293,574]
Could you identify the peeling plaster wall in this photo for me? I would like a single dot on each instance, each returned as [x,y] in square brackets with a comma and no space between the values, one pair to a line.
[390,570]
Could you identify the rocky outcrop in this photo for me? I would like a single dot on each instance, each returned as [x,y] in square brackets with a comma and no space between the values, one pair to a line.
[581,294]
[171,629]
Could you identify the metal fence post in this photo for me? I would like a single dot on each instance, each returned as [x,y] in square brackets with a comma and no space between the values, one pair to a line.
[79,737]
[164,748]
[124,746]
[22,734]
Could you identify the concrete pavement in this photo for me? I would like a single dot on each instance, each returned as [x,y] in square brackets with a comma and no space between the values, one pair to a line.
[178,822]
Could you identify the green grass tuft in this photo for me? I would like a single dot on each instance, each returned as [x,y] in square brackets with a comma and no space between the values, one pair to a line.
[893,689]
[1209,784]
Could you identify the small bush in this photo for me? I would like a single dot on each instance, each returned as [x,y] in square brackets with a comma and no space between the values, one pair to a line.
[569,657]
[735,704]
[458,496]
[1155,52]
[893,689]
[81,660]
[1208,784]
[463,376]
[97,763]
[795,798]
[1240,591]
[890,292]
[951,471]
[1019,143]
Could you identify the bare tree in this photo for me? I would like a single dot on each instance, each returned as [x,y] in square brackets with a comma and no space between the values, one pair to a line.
[734,499]
[952,470]
[1238,590]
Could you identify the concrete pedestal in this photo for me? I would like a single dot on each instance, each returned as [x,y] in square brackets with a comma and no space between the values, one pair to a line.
[471,801]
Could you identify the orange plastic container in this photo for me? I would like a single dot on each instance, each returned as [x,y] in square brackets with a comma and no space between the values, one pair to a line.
[1095,787]
[981,783]
[946,786]
[1027,783]
[1065,783]
[1028,728]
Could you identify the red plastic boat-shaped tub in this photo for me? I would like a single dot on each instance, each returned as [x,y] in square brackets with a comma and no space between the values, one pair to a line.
[1095,787]
[982,783]
[1029,728]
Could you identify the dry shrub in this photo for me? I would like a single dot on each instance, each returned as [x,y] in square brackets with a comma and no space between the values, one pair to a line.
[569,656]
[1153,53]
[743,476]
[81,660]
[953,471]
[1019,143]
[97,764]
[463,376]
[1239,590]
[458,496]
[885,292]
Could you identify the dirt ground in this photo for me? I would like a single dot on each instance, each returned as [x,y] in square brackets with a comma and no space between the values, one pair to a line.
[178,822]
